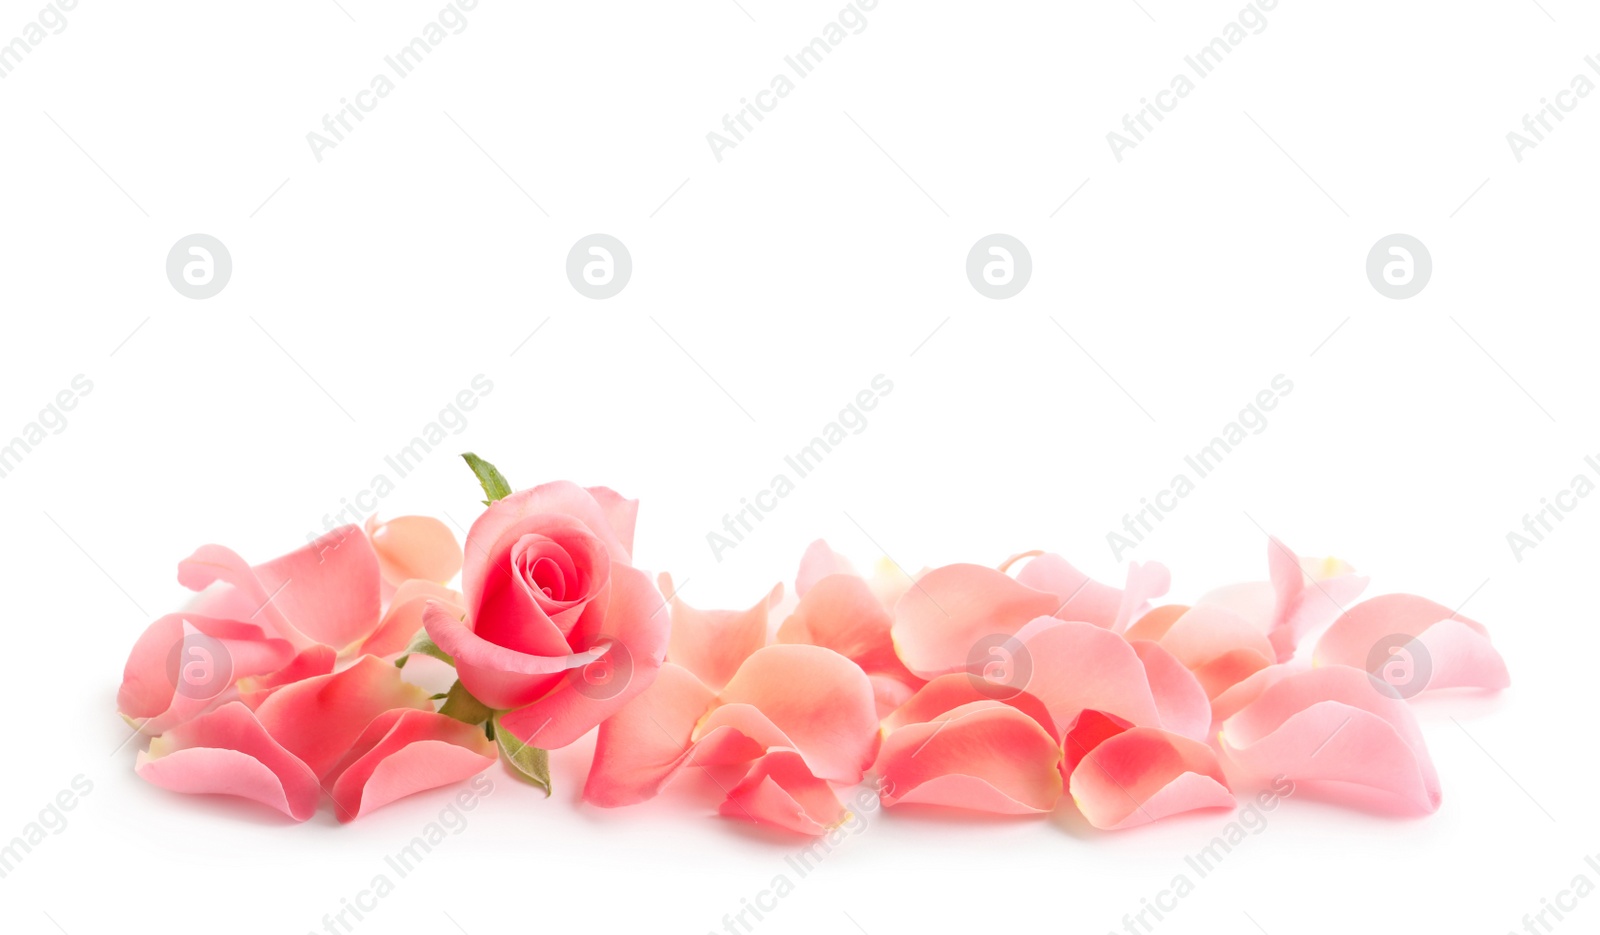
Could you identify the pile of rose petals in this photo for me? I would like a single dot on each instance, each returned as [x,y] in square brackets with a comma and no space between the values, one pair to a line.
[989,689]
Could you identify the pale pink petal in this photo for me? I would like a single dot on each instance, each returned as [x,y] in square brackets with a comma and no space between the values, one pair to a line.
[1081,598]
[820,700]
[817,563]
[983,756]
[1232,699]
[780,790]
[1220,647]
[632,645]
[1077,667]
[317,719]
[1143,775]
[713,643]
[642,746]
[1180,700]
[405,751]
[1307,601]
[1413,644]
[889,693]
[952,610]
[841,613]
[228,752]
[1341,731]
[419,547]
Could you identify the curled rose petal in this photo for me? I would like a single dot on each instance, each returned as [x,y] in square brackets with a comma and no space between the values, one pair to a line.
[1302,596]
[1181,702]
[1342,730]
[183,663]
[1081,598]
[983,756]
[308,663]
[317,719]
[228,752]
[641,747]
[780,790]
[841,613]
[326,591]
[1413,644]
[1077,667]
[948,692]
[713,643]
[1143,775]
[404,617]
[818,562]
[951,610]
[820,701]
[405,751]
[414,547]
[1220,647]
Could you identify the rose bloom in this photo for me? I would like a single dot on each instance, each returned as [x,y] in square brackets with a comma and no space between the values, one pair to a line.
[561,630]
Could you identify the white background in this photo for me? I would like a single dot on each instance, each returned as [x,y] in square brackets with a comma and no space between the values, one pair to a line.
[768,289]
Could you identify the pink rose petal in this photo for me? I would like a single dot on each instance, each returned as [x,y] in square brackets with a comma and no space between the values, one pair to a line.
[780,790]
[414,547]
[228,752]
[1455,651]
[319,718]
[1341,728]
[714,643]
[1144,774]
[405,751]
[642,746]
[951,610]
[983,756]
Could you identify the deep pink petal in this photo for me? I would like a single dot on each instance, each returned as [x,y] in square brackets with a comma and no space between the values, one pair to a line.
[317,719]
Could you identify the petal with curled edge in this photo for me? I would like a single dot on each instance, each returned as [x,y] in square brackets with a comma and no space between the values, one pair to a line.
[821,701]
[714,643]
[1455,651]
[414,547]
[951,610]
[404,751]
[1145,774]
[1340,731]
[983,756]
[229,752]
[641,747]
[317,719]
[780,790]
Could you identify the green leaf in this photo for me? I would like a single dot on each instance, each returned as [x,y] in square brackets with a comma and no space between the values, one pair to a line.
[422,644]
[494,484]
[460,705]
[529,762]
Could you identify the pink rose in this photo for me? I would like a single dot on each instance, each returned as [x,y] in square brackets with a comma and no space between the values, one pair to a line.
[561,630]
